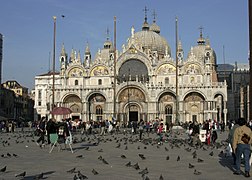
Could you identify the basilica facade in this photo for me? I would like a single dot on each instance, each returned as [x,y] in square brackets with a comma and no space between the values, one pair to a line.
[142,81]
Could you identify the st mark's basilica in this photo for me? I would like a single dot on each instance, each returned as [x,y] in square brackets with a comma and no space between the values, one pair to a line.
[142,85]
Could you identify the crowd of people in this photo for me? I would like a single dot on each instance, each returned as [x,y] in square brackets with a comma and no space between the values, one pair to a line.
[239,138]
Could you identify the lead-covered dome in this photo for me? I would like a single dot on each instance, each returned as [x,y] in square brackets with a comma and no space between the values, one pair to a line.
[147,39]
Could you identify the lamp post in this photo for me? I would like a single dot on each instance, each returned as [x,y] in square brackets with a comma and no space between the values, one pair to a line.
[54,46]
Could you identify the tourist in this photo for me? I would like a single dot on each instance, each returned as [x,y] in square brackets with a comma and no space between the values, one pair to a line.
[41,132]
[241,145]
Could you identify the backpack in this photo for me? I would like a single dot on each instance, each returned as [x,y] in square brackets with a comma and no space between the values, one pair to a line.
[61,131]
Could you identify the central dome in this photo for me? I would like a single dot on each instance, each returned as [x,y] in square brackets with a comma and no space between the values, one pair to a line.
[148,39]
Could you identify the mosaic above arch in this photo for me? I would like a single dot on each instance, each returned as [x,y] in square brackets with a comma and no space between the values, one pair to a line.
[99,71]
[166,69]
[130,94]
[192,69]
[76,72]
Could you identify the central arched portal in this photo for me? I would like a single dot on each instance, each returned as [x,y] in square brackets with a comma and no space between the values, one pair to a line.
[132,105]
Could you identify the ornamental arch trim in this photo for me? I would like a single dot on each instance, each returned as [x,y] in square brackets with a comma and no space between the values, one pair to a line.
[196,92]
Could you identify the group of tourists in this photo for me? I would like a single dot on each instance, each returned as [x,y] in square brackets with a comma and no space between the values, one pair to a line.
[47,127]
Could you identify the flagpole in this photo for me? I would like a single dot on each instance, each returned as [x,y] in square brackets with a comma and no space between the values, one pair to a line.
[177,105]
[54,47]
[114,103]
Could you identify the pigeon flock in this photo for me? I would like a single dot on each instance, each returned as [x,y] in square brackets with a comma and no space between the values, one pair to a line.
[114,156]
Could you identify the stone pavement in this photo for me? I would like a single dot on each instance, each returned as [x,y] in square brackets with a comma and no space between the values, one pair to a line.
[170,159]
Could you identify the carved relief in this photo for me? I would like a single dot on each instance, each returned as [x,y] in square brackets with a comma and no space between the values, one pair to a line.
[167,98]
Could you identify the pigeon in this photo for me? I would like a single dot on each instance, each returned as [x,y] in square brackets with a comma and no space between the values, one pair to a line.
[15,155]
[128,164]
[39,176]
[167,157]
[94,172]
[166,149]
[101,150]
[104,161]
[81,176]
[144,171]
[200,160]
[71,170]
[3,169]
[142,156]
[123,156]
[8,154]
[211,153]
[191,166]
[119,145]
[126,147]
[100,158]
[62,16]
[136,166]
[161,177]
[178,158]
[79,156]
[21,174]
[196,172]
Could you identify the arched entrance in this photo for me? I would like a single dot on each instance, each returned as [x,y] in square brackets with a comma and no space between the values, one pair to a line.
[96,107]
[194,107]
[74,103]
[166,107]
[131,104]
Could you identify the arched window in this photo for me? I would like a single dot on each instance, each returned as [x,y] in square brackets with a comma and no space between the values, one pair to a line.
[76,82]
[98,110]
[168,110]
[99,82]
[98,113]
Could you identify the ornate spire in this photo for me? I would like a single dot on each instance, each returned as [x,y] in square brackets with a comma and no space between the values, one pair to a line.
[201,40]
[79,57]
[154,27]
[145,24]
[63,51]
[87,51]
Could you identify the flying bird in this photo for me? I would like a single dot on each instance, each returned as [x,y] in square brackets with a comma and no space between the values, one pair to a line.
[142,156]
[62,16]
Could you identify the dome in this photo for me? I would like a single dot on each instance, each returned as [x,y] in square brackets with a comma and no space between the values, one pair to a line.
[200,51]
[153,41]
[155,28]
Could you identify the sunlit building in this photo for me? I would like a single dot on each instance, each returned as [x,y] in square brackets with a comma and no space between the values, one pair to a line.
[145,86]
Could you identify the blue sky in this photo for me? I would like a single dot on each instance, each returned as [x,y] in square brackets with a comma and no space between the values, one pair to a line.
[27,27]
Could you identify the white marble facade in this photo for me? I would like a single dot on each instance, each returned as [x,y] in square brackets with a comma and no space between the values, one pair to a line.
[145,82]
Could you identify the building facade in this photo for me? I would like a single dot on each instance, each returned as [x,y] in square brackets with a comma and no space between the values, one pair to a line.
[237,77]
[149,82]
[16,102]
